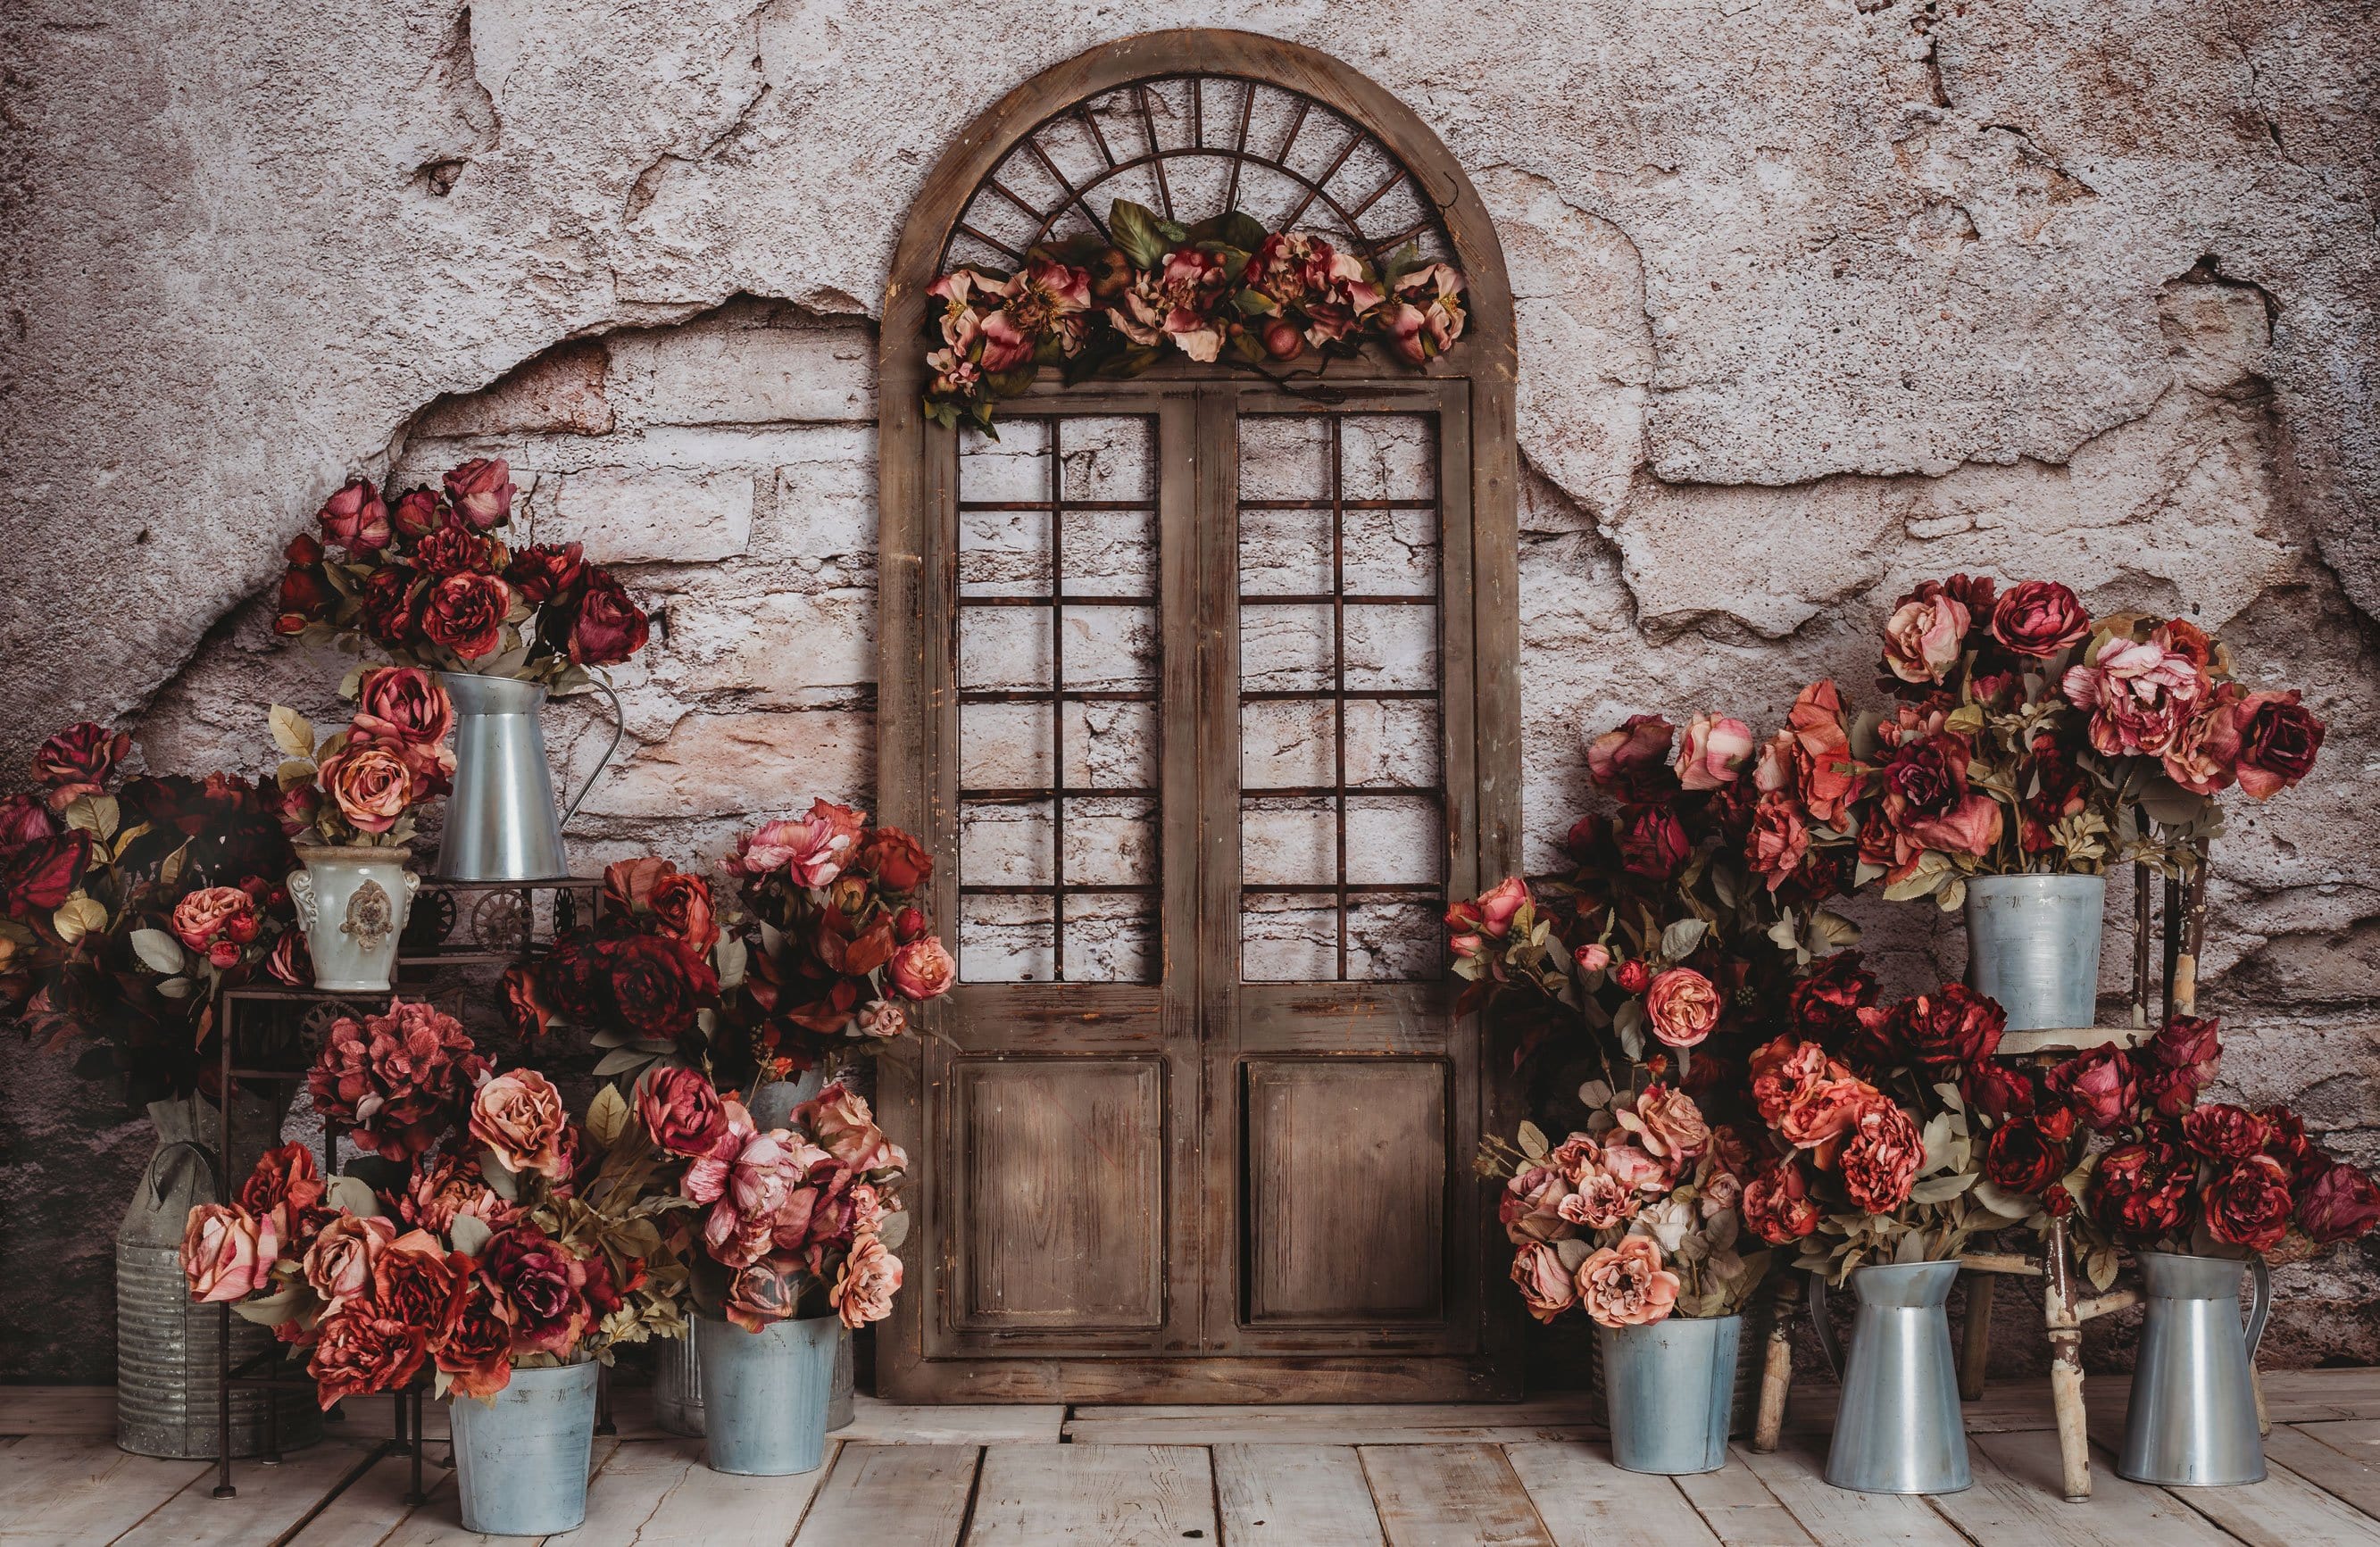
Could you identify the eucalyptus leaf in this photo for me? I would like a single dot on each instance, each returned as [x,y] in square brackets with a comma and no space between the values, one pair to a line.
[895,1230]
[355,1195]
[1678,941]
[621,1060]
[469,1235]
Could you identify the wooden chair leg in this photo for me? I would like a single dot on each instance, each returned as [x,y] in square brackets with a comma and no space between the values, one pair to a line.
[1976,1336]
[2256,1384]
[2066,1365]
[1777,1369]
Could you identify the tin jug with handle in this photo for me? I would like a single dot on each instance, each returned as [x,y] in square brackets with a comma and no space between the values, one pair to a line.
[2193,1419]
[1897,1424]
[500,820]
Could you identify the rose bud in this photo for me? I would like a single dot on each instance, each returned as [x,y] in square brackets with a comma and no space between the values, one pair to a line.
[609,627]
[2098,1085]
[303,551]
[1282,339]
[306,598]
[481,491]
[354,518]
[1592,959]
[908,924]
[1634,976]
[417,514]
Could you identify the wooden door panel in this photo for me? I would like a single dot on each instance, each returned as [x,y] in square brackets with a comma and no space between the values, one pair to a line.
[1059,1194]
[1347,1169]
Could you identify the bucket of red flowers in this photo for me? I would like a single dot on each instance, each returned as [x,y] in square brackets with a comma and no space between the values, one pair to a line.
[484,1240]
[2117,1144]
[792,1245]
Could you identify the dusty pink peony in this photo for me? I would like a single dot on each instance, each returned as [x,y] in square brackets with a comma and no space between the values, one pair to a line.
[1625,1286]
[1683,1006]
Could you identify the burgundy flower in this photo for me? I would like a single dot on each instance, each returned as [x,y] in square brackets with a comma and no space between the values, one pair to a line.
[400,1081]
[306,597]
[2039,619]
[37,878]
[456,550]
[2222,1131]
[358,1352]
[477,1353]
[26,819]
[2098,1085]
[79,757]
[465,614]
[898,861]
[609,627]
[420,1283]
[2286,1141]
[1777,1206]
[1632,762]
[2278,739]
[1652,842]
[391,600]
[1999,1090]
[417,513]
[2143,1189]
[1940,1031]
[481,491]
[539,1287]
[1823,1006]
[682,1111]
[1928,805]
[656,984]
[405,704]
[2338,1204]
[2029,1155]
[2248,1204]
[354,518]
[548,570]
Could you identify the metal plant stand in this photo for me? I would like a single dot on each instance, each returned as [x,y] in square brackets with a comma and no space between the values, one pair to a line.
[2168,978]
[499,927]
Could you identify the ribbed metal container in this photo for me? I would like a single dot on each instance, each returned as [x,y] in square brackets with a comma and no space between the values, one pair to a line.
[677,1387]
[1759,1314]
[166,1368]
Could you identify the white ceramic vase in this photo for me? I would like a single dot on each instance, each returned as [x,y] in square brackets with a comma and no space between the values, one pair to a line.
[352,903]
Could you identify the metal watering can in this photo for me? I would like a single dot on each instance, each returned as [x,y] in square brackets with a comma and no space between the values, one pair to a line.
[2192,1420]
[500,821]
[1897,1423]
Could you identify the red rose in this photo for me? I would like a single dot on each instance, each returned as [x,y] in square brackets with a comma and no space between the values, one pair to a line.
[37,878]
[456,550]
[79,757]
[476,1355]
[1928,805]
[2143,1191]
[2286,1141]
[2039,619]
[656,984]
[1652,842]
[465,614]
[399,1079]
[418,514]
[2278,739]
[2248,1204]
[1881,1151]
[391,602]
[354,518]
[302,551]
[1776,1204]
[1823,1006]
[898,861]
[286,1183]
[682,1111]
[1632,762]
[2029,1155]
[609,627]
[358,1352]
[540,574]
[421,1284]
[404,703]
[2221,1131]
[539,1287]
[481,491]
[2338,1204]
[306,598]
[1950,1029]
[1634,976]
[909,923]
[2098,1085]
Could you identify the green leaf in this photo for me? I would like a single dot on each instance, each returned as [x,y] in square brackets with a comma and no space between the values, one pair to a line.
[731,956]
[270,1312]
[501,1180]
[1678,941]
[158,951]
[469,1234]
[1628,1025]
[895,1230]
[1134,228]
[621,1060]
[355,1195]
[292,732]
[177,988]
[79,916]
[1941,1189]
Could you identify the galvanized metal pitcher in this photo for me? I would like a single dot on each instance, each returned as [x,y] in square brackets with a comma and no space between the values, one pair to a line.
[500,821]
[2033,944]
[2192,1421]
[1897,1423]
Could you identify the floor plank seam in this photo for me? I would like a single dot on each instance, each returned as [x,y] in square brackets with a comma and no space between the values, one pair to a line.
[975,1491]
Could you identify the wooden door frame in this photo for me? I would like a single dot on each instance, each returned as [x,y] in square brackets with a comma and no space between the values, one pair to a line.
[917,493]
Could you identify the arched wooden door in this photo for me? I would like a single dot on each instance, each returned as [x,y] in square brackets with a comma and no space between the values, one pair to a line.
[1203,693]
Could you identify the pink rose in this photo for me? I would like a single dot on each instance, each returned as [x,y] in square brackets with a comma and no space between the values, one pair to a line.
[1881,1156]
[2039,619]
[864,1289]
[519,1118]
[2204,755]
[1713,753]
[1625,1286]
[2142,694]
[1601,1200]
[481,491]
[1631,763]
[1592,959]
[1822,752]
[371,783]
[1668,1123]
[1531,1209]
[212,912]
[1924,636]
[1683,1006]
[682,1111]
[1547,1287]
[1637,1170]
[405,704]
[840,1120]
[814,848]
[339,1264]
[1779,841]
[923,969]
[227,1253]
[356,518]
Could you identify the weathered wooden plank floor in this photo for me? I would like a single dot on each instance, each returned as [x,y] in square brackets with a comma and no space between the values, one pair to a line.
[1530,1475]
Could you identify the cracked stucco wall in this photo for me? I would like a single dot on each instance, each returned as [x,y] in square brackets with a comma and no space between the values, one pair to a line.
[1813,298]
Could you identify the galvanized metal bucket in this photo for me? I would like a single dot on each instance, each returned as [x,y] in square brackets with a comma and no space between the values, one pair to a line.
[764,1393]
[1898,1429]
[1759,1317]
[166,1346]
[1670,1390]
[500,821]
[2192,1420]
[2033,944]
[521,1458]
[677,1386]
[352,904]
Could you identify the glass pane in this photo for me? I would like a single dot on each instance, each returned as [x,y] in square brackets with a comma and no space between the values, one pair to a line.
[1110,552]
[1388,457]
[1107,459]
[1110,649]
[1006,940]
[1288,841]
[1288,940]
[1110,939]
[1285,647]
[1005,844]
[1005,552]
[1391,552]
[1015,467]
[1004,746]
[1395,939]
[1111,841]
[1285,553]
[1285,457]
[1393,839]
[1391,648]
[1392,741]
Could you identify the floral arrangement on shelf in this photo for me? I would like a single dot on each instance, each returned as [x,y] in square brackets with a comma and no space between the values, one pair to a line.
[127,905]
[1631,1220]
[793,1221]
[841,942]
[2030,738]
[1110,306]
[1873,1119]
[485,1231]
[2117,1143]
[361,786]
[429,581]
[644,980]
